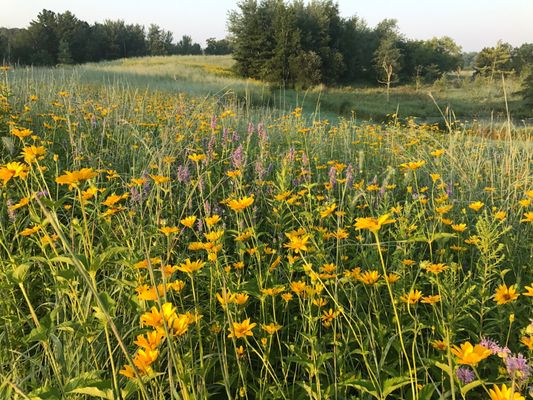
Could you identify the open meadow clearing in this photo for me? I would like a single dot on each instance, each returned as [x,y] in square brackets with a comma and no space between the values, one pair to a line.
[156,244]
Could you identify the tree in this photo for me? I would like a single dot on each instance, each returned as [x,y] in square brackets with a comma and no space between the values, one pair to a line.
[217,47]
[159,41]
[186,46]
[494,60]
[387,62]
[522,58]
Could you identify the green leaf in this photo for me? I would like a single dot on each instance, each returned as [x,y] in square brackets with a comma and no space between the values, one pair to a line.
[472,385]
[444,367]
[426,392]
[392,384]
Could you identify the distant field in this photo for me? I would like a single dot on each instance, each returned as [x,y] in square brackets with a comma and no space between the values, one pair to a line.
[465,98]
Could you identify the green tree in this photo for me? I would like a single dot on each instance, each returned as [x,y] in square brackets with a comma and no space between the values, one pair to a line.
[387,62]
[217,47]
[494,60]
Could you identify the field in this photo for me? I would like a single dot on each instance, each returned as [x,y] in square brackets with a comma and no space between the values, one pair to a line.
[169,231]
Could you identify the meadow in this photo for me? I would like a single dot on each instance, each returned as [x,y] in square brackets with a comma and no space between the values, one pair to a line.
[163,236]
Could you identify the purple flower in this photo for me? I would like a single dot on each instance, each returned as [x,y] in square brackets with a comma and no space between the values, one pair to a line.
[465,375]
[517,367]
[213,122]
[183,174]
[237,158]
[494,347]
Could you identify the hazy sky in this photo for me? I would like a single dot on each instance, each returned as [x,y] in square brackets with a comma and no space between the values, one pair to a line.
[473,24]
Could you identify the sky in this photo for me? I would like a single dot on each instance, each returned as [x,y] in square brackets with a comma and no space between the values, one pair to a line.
[473,24]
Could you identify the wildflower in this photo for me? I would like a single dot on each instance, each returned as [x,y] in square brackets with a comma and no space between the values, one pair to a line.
[413,165]
[470,355]
[189,221]
[241,298]
[459,227]
[443,209]
[495,348]
[328,211]
[465,375]
[392,277]
[286,297]
[113,199]
[21,132]
[435,268]
[529,290]
[30,231]
[239,205]
[517,367]
[196,157]
[476,206]
[505,294]
[168,230]
[23,202]
[438,153]
[158,179]
[373,224]
[298,287]
[297,243]
[412,297]
[431,299]
[143,360]
[225,298]
[241,329]
[369,277]
[528,217]
[439,345]
[33,153]
[504,393]
[191,266]
[527,341]
[74,178]
[328,317]
[155,317]
[180,325]
[149,341]
[271,328]
[500,215]
[13,170]
[213,220]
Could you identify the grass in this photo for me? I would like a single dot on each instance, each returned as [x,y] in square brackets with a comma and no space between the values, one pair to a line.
[164,245]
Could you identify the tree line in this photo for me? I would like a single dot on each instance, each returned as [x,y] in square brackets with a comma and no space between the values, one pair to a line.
[61,38]
[299,44]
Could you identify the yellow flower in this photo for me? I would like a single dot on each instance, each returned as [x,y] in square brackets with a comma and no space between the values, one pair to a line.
[239,205]
[33,153]
[13,170]
[413,165]
[298,287]
[196,157]
[527,341]
[504,393]
[23,202]
[143,360]
[189,221]
[225,298]
[74,178]
[431,299]
[30,231]
[443,209]
[271,328]
[439,345]
[113,199]
[500,215]
[435,268]
[528,217]
[459,227]
[328,211]
[213,220]
[149,341]
[438,153]
[155,317]
[297,243]
[21,132]
[241,329]
[412,297]
[241,298]
[190,267]
[505,294]
[470,355]
[476,206]
[373,224]
[328,317]
[369,277]
[168,230]
[529,290]
[158,179]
